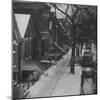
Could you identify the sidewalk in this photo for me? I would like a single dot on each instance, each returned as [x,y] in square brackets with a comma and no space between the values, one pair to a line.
[68,84]
[57,81]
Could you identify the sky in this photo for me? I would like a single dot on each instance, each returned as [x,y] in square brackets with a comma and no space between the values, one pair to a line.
[22,22]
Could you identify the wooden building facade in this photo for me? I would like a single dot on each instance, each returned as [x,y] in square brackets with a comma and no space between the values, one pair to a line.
[35,41]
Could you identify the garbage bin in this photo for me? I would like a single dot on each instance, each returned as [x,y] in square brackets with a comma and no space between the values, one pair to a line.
[18,92]
[87,78]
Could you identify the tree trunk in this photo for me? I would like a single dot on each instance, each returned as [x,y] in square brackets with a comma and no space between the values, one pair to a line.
[81,48]
[72,70]
[77,50]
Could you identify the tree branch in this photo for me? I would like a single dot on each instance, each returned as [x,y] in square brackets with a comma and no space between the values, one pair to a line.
[61,26]
[64,13]
[67,8]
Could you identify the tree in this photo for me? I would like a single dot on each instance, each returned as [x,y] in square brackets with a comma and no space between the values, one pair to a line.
[82,21]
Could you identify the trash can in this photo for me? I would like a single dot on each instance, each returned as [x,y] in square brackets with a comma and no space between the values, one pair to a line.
[18,92]
[87,78]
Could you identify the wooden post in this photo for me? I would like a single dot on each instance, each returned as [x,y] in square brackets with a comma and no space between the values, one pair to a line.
[19,62]
[73,58]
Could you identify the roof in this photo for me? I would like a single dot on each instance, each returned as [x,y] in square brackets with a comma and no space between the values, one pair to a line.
[28,7]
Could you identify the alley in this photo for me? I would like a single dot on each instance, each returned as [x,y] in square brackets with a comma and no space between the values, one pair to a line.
[54,49]
[57,81]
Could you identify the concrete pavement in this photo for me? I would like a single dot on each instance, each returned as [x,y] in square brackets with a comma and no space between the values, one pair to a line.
[68,84]
[57,81]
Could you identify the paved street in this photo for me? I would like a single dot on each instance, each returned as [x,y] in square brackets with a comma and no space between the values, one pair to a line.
[57,81]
